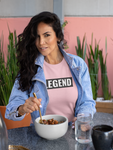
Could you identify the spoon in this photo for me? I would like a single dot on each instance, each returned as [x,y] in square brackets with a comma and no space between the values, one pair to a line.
[39,111]
[16,147]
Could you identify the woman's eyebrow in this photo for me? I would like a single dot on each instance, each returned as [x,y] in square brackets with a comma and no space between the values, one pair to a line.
[47,32]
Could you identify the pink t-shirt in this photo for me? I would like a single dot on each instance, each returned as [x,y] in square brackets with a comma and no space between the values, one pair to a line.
[62,89]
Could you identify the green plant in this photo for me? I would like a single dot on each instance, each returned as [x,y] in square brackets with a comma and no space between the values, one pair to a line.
[104,77]
[8,69]
[64,24]
[81,50]
[1,64]
[93,64]
[65,46]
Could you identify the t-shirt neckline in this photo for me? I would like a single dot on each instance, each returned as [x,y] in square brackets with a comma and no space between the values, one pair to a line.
[47,64]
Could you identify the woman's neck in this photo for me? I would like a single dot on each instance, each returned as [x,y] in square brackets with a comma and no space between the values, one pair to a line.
[54,59]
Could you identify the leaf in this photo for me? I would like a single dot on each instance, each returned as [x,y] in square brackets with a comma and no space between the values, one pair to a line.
[81,50]
[104,77]
[9,69]
[93,66]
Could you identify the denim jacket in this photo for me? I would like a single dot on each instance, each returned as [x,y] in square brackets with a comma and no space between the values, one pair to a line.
[80,74]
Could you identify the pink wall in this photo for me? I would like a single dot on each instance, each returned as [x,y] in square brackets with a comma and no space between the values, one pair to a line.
[100,27]
[77,26]
[17,24]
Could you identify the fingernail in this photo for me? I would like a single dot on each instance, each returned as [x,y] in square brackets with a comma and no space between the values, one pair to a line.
[72,122]
[40,106]
[73,127]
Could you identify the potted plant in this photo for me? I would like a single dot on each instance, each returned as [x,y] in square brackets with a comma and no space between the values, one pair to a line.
[93,65]
[104,106]
[96,60]
[81,50]
[104,78]
[8,72]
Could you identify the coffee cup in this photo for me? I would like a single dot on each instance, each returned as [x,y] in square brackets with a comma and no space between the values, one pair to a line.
[102,137]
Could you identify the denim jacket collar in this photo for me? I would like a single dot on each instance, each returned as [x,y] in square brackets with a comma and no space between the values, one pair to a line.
[39,60]
[70,60]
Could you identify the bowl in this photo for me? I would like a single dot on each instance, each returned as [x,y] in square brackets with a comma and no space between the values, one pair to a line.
[51,132]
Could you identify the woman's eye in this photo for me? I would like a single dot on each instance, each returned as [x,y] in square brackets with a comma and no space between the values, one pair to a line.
[46,35]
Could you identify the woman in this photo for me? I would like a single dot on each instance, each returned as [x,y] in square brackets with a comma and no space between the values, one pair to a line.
[60,80]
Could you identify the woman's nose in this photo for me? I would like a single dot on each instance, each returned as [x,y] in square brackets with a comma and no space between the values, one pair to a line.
[42,41]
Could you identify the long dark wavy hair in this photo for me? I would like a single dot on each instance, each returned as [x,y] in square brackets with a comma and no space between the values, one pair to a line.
[27,51]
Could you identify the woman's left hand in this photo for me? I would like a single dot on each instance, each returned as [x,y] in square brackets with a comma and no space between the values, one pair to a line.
[83,127]
[73,122]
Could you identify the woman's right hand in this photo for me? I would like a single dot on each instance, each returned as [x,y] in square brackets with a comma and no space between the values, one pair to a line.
[30,105]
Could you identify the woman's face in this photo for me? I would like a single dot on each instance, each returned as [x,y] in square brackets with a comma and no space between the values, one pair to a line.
[46,41]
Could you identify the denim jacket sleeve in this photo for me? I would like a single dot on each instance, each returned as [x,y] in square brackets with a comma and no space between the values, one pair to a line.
[86,104]
[16,99]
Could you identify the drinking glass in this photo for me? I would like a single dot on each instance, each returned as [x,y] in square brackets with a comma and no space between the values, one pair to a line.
[83,127]
[3,135]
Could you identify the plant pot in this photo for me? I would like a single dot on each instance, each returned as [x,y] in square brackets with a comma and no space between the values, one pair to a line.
[10,124]
[106,107]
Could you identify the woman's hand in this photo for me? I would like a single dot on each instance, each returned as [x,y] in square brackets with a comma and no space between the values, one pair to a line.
[84,127]
[73,122]
[30,105]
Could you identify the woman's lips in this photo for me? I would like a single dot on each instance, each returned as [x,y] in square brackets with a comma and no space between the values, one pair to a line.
[43,48]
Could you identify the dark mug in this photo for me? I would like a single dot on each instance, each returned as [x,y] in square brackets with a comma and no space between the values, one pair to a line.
[102,137]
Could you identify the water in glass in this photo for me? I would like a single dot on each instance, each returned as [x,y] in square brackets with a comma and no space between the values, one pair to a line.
[83,127]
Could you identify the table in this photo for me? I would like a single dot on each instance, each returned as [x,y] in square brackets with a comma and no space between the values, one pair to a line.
[27,137]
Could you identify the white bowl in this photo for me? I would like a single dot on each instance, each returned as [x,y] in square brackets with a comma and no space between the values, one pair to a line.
[51,132]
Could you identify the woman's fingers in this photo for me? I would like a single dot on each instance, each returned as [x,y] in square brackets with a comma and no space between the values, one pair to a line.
[35,104]
[75,118]
[31,104]
[73,122]
[85,127]
[37,101]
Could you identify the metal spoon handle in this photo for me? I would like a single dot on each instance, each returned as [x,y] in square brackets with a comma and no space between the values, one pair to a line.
[38,108]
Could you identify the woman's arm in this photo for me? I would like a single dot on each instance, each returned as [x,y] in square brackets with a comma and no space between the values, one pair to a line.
[19,104]
[86,104]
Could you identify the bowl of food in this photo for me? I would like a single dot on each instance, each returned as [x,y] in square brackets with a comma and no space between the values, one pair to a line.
[53,127]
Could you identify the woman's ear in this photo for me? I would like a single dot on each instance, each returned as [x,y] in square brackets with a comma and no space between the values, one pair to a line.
[58,41]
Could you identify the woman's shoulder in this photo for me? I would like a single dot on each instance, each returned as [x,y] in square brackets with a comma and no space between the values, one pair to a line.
[78,60]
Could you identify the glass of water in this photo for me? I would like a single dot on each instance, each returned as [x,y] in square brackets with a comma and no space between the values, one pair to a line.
[83,127]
